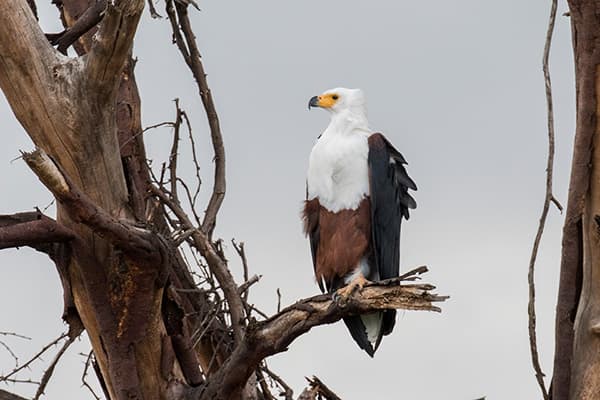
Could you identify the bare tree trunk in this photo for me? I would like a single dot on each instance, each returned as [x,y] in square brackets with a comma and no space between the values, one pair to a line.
[577,356]
[70,114]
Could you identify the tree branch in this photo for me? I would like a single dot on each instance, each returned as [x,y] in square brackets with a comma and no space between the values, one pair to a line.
[191,54]
[89,19]
[274,335]
[50,370]
[4,395]
[109,52]
[548,200]
[317,390]
[216,264]
[81,208]
[37,356]
[31,229]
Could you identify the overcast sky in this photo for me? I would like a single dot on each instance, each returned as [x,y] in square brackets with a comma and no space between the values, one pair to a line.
[457,86]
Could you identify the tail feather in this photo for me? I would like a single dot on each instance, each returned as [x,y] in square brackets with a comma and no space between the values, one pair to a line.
[366,330]
[389,320]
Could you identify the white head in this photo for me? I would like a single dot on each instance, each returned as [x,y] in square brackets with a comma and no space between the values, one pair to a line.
[341,101]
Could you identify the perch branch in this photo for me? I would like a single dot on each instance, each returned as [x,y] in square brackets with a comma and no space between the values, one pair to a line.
[548,200]
[275,334]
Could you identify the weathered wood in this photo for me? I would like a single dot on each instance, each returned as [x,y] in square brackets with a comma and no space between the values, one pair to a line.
[577,356]
[275,334]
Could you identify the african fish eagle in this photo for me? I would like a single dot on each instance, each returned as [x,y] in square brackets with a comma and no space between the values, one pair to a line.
[357,195]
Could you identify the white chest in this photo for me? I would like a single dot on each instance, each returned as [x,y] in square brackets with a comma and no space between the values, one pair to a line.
[338,171]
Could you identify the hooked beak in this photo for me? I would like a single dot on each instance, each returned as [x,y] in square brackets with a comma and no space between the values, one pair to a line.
[313,102]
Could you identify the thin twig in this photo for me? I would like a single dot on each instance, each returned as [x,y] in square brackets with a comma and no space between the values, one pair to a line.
[15,335]
[252,307]
[37,356]
[243,289]
[173,156]
[16,380]
[322,389]
[13,355]
[191,199]
[180,24]
[153,12]
[218,265]
[239,249]
[196,165]
[278,300]
[287,390]
[88,362]
[264,386]
[50,370]
[168,123]
[548,199]
[8,349]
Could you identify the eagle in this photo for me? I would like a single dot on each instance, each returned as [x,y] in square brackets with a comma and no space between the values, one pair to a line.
[356,197]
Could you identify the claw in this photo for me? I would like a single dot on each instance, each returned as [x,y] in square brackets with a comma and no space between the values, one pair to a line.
[359,282]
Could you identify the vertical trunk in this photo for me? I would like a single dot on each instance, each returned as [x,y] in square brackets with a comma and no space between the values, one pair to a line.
[71,114]
[577,358]
[585,380]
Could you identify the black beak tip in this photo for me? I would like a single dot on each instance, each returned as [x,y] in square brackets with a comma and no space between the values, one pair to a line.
[313,102]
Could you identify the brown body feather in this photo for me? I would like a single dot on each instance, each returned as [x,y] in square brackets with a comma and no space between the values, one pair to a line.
[344,238]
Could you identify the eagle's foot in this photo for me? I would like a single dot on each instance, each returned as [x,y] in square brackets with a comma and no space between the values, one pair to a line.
[357,283]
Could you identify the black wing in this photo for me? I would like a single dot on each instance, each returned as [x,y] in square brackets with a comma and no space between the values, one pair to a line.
[390,202]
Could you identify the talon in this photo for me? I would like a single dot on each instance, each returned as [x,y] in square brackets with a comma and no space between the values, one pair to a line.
[358,283]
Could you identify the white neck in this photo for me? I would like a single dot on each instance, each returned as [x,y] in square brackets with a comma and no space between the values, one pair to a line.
[348,120]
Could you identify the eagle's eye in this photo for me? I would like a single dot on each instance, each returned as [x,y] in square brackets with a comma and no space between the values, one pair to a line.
[335,97]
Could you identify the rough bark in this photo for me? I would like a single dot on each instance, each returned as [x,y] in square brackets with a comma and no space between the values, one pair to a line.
[69,112]
[577,362]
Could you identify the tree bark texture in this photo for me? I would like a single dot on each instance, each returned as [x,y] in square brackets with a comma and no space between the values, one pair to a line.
[67,106]
[577,356]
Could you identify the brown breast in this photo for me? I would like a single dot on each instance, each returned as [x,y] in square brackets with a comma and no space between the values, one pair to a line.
[344,239]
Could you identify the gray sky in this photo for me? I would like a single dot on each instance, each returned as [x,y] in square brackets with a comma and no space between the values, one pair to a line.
[456,86]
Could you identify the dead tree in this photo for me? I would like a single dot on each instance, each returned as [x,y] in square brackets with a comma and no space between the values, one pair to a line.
[577,354]
[157,331]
